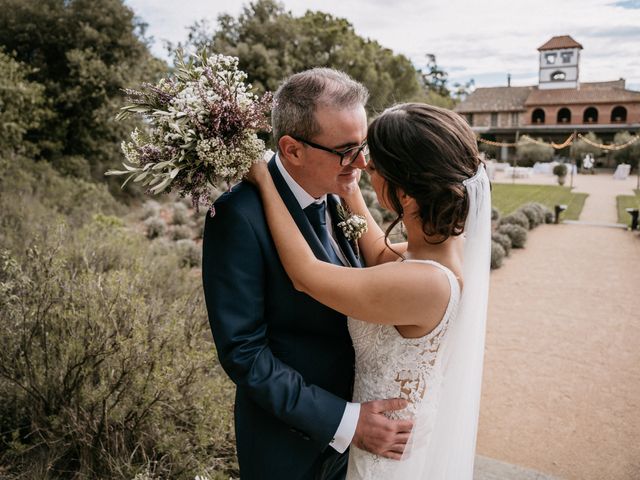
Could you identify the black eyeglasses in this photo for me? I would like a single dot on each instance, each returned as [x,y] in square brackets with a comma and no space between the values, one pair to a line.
[347,156]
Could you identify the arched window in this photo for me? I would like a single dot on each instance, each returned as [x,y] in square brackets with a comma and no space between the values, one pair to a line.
[618,114]
[590,115]
[564,115]
[558,76]
[537,116]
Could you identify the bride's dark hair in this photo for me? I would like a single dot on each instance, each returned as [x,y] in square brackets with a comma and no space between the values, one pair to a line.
[427,152]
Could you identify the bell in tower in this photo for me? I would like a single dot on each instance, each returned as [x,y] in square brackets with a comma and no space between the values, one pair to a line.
[559,63]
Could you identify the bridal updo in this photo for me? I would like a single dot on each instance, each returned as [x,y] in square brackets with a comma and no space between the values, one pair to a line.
[427,152]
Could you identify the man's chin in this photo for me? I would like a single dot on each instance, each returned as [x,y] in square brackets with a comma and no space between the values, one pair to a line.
[347,184]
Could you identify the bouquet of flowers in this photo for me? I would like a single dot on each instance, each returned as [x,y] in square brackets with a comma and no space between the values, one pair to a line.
[202,125]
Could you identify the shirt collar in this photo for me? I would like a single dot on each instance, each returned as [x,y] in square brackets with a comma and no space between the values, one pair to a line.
[303,198]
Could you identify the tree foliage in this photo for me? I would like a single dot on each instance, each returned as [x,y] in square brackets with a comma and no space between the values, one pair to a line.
[23,107]
[529,153]
[630,154]
[83,53]
[579,148]
[272,44]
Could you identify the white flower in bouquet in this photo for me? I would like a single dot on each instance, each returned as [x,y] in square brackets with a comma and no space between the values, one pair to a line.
[202,126]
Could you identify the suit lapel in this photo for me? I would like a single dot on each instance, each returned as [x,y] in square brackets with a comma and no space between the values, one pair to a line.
[333,202]
[296,212]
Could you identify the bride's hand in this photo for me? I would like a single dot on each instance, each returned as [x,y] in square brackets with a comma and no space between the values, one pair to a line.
[258,170]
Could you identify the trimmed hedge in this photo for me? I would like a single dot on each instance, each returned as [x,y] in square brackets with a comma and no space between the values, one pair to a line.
[516,233]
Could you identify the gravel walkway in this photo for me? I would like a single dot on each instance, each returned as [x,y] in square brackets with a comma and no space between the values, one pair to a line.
[561,390]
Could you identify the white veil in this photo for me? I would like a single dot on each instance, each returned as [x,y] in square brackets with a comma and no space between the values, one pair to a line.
[443,441]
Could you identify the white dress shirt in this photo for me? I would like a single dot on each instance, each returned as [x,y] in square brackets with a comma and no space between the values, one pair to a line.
[347,427]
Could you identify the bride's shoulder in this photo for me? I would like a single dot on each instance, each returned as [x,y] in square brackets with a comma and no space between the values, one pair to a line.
[419,277]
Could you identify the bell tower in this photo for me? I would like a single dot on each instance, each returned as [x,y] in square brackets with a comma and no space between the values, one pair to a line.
[559,63]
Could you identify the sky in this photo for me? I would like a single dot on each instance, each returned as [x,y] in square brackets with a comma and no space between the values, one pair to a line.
[483,41]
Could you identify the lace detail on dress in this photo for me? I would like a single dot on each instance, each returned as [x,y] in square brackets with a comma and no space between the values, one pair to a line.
[388,366]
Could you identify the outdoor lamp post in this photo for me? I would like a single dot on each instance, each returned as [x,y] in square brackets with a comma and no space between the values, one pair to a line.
[634,212]
[559,209]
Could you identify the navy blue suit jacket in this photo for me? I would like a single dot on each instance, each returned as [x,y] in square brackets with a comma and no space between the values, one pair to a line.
[290,357]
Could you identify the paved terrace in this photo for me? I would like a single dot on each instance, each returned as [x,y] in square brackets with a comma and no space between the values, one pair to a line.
[561,391]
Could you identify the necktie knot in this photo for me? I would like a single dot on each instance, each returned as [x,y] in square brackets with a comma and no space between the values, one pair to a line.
[316,213]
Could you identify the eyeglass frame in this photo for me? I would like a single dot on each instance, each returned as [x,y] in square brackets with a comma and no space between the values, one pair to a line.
[342,154]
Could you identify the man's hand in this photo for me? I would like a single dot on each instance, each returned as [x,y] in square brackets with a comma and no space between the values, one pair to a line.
[377,434]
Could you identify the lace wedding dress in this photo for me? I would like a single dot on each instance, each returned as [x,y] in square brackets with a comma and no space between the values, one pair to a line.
[391,366]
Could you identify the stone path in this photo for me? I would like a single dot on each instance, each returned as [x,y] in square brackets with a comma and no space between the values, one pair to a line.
[561,391]
[490,469]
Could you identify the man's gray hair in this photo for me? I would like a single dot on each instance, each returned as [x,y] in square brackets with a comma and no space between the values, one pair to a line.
[296,100]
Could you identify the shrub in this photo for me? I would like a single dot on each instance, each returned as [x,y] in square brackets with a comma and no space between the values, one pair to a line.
[186,201]
[497,255]
[377,215]
[33,194]
[388,215]
[516,218]
[189,252]
[150,208]
[560,170]
[111,342]
[516,233]
[155,227]
[534,214]
[495,214]
[549,216]
[370,198]
[180,214]
[503,240]
[200,222]
[180,232]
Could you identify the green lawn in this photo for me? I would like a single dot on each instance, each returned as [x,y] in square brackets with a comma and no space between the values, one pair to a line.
[627,201]
[508,198]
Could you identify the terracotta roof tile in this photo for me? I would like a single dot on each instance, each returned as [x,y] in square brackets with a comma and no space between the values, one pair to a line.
[514,99]
[495,99]
[612,84]
[563,41]
[589,95]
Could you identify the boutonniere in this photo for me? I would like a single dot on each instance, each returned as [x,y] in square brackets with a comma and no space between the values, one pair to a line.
[353,226]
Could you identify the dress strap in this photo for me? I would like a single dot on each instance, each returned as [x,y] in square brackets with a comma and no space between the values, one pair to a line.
[453,280]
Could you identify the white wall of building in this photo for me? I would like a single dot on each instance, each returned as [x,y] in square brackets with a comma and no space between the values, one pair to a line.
[563,60]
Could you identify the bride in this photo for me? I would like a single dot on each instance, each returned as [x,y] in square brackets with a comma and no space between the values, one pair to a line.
[417,312]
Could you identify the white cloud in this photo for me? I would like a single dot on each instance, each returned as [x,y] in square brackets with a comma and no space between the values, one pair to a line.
[471,39]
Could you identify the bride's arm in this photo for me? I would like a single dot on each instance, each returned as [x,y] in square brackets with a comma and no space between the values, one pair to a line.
[372,243]
[391,293]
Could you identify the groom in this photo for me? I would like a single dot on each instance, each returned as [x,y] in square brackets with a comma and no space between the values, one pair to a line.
[291,357]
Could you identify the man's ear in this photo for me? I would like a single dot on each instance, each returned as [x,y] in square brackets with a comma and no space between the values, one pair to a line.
[291,150]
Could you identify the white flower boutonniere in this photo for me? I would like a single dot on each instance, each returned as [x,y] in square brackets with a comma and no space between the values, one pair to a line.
[353,226]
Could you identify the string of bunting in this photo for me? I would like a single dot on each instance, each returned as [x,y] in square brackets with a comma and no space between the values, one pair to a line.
[620,146]
[558,146]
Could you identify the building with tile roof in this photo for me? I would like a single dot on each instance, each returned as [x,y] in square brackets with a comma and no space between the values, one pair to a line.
[555,108]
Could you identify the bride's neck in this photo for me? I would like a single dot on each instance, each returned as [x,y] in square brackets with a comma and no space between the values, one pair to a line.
[423,247]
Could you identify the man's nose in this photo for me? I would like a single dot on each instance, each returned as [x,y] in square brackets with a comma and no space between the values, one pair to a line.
[360,161]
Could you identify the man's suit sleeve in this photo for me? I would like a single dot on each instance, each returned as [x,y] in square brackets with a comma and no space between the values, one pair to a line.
[234,280]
